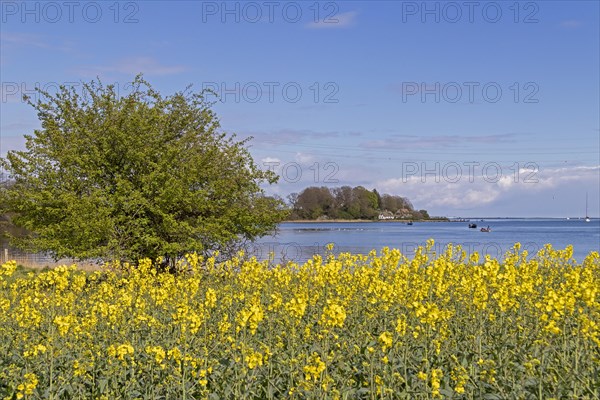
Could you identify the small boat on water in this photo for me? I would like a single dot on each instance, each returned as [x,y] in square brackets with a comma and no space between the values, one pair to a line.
[472,226]
[409,223]
[488,229]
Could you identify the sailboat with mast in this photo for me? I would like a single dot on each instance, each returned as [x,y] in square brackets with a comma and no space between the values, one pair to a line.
[587,219]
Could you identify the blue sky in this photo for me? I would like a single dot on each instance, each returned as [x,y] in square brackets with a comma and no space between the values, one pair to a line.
[468,109]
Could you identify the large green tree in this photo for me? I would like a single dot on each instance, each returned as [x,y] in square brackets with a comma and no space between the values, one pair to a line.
[141,175]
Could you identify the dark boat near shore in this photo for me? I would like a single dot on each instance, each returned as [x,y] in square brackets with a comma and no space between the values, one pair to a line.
[472,226]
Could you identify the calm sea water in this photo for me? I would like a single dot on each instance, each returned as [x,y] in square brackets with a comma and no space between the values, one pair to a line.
[299,241]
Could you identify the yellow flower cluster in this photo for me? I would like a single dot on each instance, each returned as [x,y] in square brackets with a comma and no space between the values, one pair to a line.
[251,316]
[254,359]
[120,351]
[159,354]
[380,325]
[386,340]
[460,376]
[28,386]
[333,315]
[314,367]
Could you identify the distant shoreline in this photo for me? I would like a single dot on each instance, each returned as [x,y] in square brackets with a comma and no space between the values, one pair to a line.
[298,221]
[404,221]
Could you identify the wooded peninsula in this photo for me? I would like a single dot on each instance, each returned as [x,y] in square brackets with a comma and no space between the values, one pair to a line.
[348,203]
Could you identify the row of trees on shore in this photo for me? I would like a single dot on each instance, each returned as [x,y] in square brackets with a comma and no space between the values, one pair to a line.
[350,203]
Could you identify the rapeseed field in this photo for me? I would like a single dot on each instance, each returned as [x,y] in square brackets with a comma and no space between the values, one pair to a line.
[346,326]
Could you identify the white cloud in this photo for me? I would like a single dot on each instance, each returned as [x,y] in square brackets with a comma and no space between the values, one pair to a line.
[478,190]
[343,20]
[506,182]
[270,160]
[429,192]
[304,158]
[556,177]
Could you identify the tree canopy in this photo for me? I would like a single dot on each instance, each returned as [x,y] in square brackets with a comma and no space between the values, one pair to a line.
[349,203]
[143,175]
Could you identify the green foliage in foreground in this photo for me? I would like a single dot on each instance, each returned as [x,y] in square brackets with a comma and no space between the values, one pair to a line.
[136,176]
[345,327]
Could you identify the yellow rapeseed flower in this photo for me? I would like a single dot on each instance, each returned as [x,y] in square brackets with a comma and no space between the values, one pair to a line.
[333,315]
[385,340]
[314,367]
